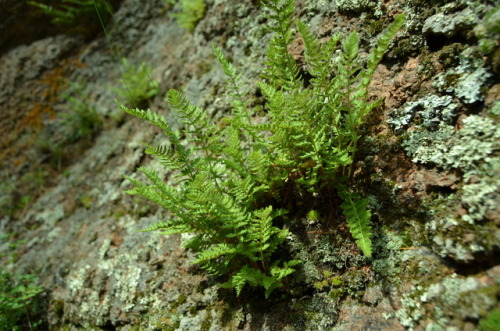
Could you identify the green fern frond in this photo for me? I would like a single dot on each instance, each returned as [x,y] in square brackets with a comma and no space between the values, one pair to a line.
[167,228]
[245,275]
[191,11]
[156,226]
[358,219]
[163,124]
[234,85]
[187,113]
[234,152]
[215,252]
[149,192]
[169,158]
[177,229]
[137,85]
[272,282]
[242,189]
[320,65]
[350,46]
[149,116]
[262,228]
[382,44]
[287,269]
[166,190]
[281,69]
[258,164]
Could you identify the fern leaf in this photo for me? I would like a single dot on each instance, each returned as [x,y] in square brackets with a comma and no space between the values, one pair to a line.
[153,118]
[281,272]
[234,152]
[281,69]
[193,116]
[245,275]
[382,44]
[167,156]
[198,242]
[319,60]
[262,228]
[350,46]
[156,226]
[176,229]
[152,193]
[272,282]
[167,228]
[258,164]
[168,191]
[234,84]
[243,189]
[183,153]
[358,219]
[215,252]
[312,49]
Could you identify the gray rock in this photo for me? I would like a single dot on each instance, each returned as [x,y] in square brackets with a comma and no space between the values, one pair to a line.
[450,25]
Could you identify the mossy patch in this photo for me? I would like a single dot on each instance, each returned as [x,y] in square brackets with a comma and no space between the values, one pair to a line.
[491,322]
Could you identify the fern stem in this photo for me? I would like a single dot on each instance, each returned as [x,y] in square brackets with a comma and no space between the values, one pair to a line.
[28,315]
[351,166]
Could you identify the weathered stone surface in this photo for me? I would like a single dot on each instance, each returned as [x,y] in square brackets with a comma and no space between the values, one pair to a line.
[432,185]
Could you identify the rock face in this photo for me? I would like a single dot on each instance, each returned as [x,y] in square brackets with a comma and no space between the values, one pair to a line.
[428,163]
[14,29]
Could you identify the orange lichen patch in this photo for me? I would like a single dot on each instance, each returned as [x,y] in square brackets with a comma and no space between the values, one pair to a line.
[45,95]
[20,160]
[33,119]
[54,82]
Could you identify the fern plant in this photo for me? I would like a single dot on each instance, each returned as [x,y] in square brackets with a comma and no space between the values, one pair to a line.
[18,293]
[71,12]
[137,86]
[83,120]
[191,11]
[228,182]
[215,199]
[17,299]
[314,130]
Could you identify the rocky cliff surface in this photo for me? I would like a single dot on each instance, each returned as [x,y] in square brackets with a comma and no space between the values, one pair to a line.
[430,167]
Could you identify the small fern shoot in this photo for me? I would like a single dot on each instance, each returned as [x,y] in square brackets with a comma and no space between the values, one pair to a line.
[358,219]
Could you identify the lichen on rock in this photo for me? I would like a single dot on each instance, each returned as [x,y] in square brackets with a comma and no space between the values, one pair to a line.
[466,81]
[100,273]
[449,25]
[474,150]
[358,6]
[471,297]
[431,110]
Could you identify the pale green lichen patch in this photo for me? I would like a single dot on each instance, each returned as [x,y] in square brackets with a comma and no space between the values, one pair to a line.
[321,312]
[428,146]
[461,224]
[442,301]
[389,262]
[468,80]
[356,6]
[467,149]
[495,109]
[476,144]
[430,111]
[450,25]
[474,150]
[411,311]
